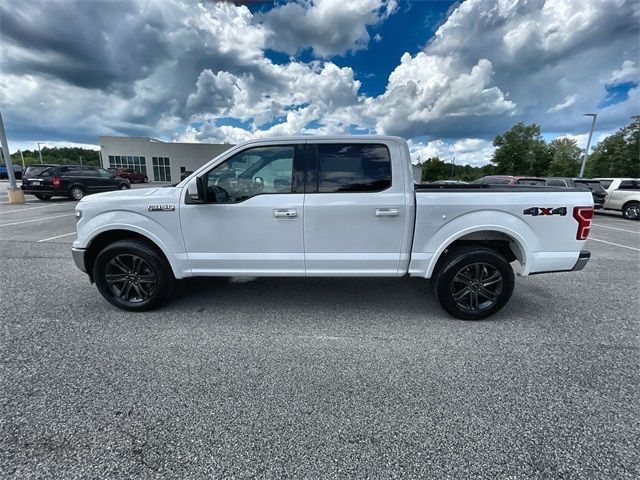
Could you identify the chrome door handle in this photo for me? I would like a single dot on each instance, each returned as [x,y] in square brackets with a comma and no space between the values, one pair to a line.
[387,212]
[285,213]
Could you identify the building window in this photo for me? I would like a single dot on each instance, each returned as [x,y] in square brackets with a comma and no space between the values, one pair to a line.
[128,161]
[161,169]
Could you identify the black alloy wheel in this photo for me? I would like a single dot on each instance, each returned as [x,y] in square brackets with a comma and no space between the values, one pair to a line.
[476,287]
[133,275]
[130,278]
[473,282]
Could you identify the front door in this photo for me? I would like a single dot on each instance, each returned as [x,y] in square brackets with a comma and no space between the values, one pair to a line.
[252,223]
[354,213]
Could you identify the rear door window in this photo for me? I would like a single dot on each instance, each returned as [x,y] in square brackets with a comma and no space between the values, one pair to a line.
[629,185]
[356,167]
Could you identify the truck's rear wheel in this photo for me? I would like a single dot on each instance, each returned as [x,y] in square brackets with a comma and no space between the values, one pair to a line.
[474,283]
[132,276]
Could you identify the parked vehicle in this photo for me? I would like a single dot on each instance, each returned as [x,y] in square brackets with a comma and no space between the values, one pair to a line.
[597,191]
[623,195]
[329,206]
[73,181]
[449,182]
[510,180]
[130,174]
[17,171]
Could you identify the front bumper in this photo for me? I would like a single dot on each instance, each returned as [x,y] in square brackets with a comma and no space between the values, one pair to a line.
[583,258]
[78,258]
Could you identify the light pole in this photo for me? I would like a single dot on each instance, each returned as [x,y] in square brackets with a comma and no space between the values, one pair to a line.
[40,152]
[22,157]
[14,193]
[586,152]
[453,163]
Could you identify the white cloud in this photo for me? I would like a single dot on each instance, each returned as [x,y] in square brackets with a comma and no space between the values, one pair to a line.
[568,101]
[469,151]
[328,27]
[628,72]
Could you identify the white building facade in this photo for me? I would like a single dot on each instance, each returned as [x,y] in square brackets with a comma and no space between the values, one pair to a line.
[159,161]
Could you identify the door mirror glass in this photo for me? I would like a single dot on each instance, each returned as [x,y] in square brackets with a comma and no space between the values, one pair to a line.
[194,191]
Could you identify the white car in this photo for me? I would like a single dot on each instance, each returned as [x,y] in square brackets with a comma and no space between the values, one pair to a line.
[329,207]
[623,195]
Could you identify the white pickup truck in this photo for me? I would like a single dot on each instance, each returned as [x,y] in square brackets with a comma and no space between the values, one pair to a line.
[329,207]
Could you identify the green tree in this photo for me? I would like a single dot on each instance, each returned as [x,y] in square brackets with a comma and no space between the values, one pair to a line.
[434,169]
[63,156]
[566,156]
[521,151]
[618,155]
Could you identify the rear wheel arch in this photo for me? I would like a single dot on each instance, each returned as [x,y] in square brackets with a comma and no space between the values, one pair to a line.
[509,247]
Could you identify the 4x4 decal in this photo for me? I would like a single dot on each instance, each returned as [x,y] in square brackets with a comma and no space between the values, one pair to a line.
[544,211]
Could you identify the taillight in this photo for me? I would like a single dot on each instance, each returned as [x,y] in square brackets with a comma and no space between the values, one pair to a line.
[583,215]
[57,181]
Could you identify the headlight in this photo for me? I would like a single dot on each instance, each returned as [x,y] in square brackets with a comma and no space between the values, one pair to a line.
[78,215]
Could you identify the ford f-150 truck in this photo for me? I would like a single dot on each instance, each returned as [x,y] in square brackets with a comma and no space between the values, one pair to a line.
[329,207]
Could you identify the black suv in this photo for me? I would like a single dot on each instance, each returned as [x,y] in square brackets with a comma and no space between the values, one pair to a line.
[597,192]
[73,181]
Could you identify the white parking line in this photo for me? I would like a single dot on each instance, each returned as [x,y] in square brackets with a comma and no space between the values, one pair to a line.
[33,208]
[57,236]
[36,220]
[614,228]
[616,244]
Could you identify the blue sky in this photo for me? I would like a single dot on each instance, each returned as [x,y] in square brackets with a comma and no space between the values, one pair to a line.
[447,76]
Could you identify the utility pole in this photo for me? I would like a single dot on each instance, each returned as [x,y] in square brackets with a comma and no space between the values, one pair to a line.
[15,194]
[586,152]
[40,152]
[22,157]
[453,163]
[80,156]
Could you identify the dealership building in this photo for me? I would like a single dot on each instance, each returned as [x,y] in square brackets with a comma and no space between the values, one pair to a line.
[159,161]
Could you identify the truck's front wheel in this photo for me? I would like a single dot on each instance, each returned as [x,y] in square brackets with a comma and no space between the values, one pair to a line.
[132,276]
[474,283]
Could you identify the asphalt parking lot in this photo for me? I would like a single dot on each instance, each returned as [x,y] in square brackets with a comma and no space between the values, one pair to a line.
[314,378]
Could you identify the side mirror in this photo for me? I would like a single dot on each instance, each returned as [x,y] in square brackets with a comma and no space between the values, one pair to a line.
[195,191]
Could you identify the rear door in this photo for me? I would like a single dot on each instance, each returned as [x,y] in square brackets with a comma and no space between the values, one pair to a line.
[354,209]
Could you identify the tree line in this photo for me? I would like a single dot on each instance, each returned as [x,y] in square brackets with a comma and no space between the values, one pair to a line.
[522,151]
[62,155]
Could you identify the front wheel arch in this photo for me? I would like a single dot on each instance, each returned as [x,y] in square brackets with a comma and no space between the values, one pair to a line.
[102,240]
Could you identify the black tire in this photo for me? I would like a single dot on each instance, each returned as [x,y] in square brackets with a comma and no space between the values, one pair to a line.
[44,197]
[128,287]
[145,180]
[76,192]
[473,283]
[631,211]
[124,186]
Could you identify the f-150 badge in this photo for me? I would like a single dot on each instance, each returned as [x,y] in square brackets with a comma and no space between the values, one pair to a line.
[162,208]
[543,211]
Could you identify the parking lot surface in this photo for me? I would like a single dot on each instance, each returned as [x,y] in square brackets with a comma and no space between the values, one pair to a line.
[314,378]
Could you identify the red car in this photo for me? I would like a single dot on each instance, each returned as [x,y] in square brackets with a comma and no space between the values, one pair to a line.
[129,173]
[511,180]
